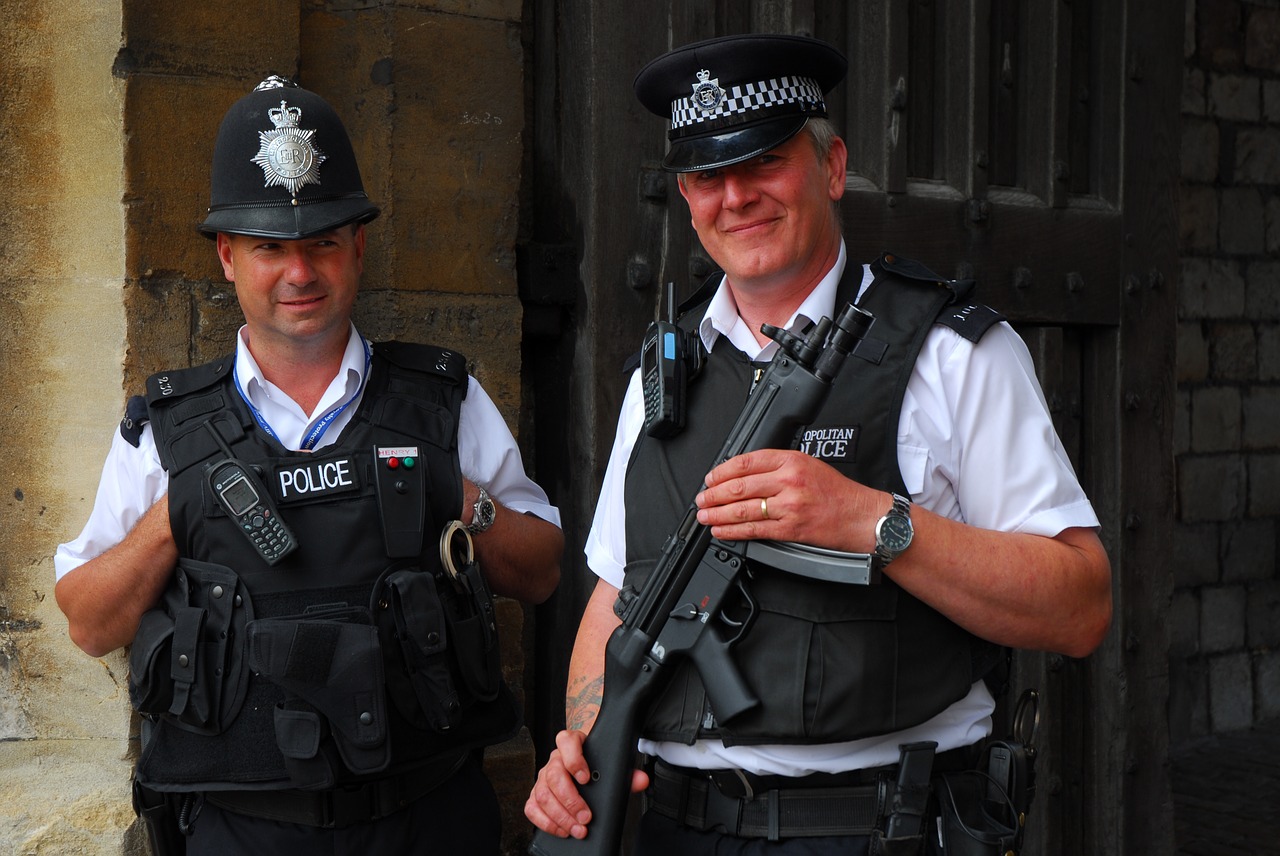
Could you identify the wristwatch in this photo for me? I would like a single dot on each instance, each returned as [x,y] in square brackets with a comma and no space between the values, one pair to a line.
[894,531]
[482,513]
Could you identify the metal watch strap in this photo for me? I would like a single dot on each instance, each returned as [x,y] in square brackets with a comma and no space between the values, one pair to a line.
[901,507]
[482,513]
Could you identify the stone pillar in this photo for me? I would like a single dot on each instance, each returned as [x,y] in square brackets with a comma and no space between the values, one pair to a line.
[106,134]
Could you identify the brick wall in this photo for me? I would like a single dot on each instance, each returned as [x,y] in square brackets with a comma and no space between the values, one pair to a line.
[1225,619]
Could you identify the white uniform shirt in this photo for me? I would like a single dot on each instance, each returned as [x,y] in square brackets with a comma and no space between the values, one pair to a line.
[133,479]
[975,444]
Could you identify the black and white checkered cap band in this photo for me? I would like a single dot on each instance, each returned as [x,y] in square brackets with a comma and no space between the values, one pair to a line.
[740,100]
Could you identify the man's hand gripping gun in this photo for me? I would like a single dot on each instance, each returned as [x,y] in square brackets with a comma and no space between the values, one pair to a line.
[672,614]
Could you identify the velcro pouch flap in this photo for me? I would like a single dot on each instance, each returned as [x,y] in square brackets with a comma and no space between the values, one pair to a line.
[184,663]
[150,674]
[336,666]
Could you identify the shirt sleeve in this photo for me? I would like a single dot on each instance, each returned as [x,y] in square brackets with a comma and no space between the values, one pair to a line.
[606,547]
[132,480]
[489,456]
[977,443]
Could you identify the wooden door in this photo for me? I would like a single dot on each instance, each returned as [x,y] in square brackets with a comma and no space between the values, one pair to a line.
[1031,145]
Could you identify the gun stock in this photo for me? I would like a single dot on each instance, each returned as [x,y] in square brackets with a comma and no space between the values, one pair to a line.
[677,612]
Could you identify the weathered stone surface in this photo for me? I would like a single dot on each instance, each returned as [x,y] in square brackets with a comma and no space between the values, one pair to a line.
[231,42]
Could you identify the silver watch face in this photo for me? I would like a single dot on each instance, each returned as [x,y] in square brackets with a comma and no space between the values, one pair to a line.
[483,514]
[894,534]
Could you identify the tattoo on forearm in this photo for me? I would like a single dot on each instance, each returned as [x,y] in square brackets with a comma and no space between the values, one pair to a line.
[582,704]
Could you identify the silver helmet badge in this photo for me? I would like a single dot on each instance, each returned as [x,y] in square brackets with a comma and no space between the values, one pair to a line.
[287,156]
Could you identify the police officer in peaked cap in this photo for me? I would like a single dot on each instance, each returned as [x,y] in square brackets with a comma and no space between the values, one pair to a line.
[934,455]
[300,542]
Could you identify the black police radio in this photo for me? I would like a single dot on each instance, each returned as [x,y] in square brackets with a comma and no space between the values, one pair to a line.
[669,358]
[245,499]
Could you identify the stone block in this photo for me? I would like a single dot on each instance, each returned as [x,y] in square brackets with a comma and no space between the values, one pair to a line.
[1188,700]
[1196,555]
[1230,692]
[1270,101]
[1210,288]
[167,158]
[458,152]
[1215,419]
[1184,625]
[1211,487]
[1241,222]
[1272,217]
[1232,96]
[497,10]
[1262,418]
[1266,685]
[159,320]
[1194,98]
[486,330]
[1200,151]
[230,43]
[1262,40]
[1262,291]
[1257,156]
[1263,614]
[1222,611]
[1198,223]
[1182,423]
[1221,37]
[1233,351]
[1268,352]
[1264,485]
[1193,353]
[1248,550]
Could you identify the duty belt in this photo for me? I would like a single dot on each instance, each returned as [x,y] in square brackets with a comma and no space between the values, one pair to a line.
[777,807]
[343,805]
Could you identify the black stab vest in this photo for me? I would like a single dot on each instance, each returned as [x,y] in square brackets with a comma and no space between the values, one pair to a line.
[830,662]
[327,621]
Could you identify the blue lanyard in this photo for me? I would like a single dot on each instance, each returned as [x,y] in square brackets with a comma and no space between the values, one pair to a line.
[309,442]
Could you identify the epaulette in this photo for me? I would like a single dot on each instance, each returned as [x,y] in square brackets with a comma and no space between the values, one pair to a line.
[135,416]
[970,320]
[179,382]
[441,362]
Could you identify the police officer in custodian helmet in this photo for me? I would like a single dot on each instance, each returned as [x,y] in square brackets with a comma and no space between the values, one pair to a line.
[301,541]
[934,453]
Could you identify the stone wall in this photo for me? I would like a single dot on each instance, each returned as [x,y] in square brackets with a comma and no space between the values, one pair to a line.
[107,119]
[1225,622]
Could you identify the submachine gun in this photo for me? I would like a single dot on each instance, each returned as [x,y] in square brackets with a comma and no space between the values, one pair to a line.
[672,613]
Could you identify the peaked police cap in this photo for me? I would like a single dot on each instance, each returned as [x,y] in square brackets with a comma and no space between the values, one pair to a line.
[732,98]
[283,167]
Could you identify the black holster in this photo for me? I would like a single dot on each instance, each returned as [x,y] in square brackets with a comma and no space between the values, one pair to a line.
[160,812]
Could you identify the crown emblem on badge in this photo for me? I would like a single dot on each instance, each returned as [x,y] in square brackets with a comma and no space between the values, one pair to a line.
[707,94]
[287,155]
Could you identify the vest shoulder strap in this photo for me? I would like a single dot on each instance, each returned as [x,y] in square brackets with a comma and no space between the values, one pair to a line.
[135,416]
[445,364]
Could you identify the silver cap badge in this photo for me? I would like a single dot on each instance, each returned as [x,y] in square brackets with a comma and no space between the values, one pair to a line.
[287,156]
[707,94]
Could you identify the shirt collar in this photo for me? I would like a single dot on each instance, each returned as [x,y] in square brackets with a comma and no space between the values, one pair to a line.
[722,319]
[260,390]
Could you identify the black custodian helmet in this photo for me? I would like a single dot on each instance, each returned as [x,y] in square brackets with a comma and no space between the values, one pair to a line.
[736,97]
[283,167]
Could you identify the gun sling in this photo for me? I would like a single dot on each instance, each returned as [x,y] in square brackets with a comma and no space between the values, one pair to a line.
[776,807]
[343,805]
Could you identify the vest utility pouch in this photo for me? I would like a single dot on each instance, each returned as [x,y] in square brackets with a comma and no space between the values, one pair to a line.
[186,663]
[150,682]
[415,619]
[333,662]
